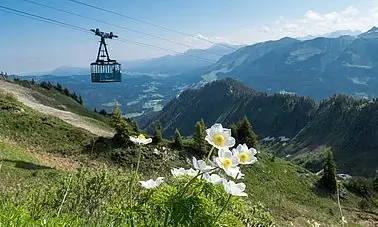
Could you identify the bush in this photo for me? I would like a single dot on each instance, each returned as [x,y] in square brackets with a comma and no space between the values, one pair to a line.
[361,186]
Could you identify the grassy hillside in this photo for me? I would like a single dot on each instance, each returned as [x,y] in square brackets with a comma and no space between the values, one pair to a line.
[276,187]
[30,128]
[33,188]
[50,96]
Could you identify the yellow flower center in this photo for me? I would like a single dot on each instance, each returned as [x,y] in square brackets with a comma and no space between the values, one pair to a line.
[218,140]
[244,157]
[227,163]
[141,136]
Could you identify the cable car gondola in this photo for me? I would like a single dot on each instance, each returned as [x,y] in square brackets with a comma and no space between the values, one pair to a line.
[105,70]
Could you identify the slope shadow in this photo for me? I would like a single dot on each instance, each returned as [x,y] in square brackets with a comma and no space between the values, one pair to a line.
[25,165]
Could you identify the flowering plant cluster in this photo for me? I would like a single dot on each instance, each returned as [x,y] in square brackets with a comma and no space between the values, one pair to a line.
[215,171]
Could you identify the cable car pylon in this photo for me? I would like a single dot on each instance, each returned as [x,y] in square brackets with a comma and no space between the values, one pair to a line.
[104,69]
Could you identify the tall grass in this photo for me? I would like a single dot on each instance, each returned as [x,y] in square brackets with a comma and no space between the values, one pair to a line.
[100,198]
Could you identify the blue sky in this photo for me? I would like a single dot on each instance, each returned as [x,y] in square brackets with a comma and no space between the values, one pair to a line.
[34,46]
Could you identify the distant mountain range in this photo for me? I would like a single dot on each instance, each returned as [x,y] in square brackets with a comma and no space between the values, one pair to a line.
[169,64]
[335,34]
[318,68]
[177,64]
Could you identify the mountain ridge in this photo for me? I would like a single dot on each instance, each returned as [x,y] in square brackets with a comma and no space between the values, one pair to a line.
[338,122]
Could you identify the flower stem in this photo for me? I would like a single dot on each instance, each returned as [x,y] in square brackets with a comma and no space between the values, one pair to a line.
[209,156]
[182,191]
[65,196]
[132,183]
[166,219]
[338,202]
[223,208]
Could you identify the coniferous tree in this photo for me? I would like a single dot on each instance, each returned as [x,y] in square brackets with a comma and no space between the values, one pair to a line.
[66,91]
[178,140]
[135,126]
[59,87]
[158,138]
[328,180]
[74,96]
[80,100]
[117,121]
[245,133]
[103,112]
[199,137]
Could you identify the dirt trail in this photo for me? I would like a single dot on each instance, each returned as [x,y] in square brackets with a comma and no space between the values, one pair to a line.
[25,96]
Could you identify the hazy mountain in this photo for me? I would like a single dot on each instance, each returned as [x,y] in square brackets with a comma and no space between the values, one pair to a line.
[167,65]
[335,34]
[175,64]
[372,33]
[62,71]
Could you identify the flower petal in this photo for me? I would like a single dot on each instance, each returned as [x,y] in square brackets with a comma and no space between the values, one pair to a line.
[235,160]
[230,142]
[195,163]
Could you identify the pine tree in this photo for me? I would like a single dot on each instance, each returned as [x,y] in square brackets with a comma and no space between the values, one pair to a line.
[178,140]
[245,133]
[103,112]
[59,87]
[158,138]
[117,121]
[328,180]
[135,126]
[199,137]
[74,96]
[66,92]
[80,100]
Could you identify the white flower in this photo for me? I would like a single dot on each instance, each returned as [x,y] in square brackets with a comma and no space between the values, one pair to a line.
[228,162]
[236,174]
[182,172]
[152,183]
[156,151]
[191,172]
[219,137]
[245,155]
[178,172]
[201,165]
[213,178]
[141,139]
[234,189]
